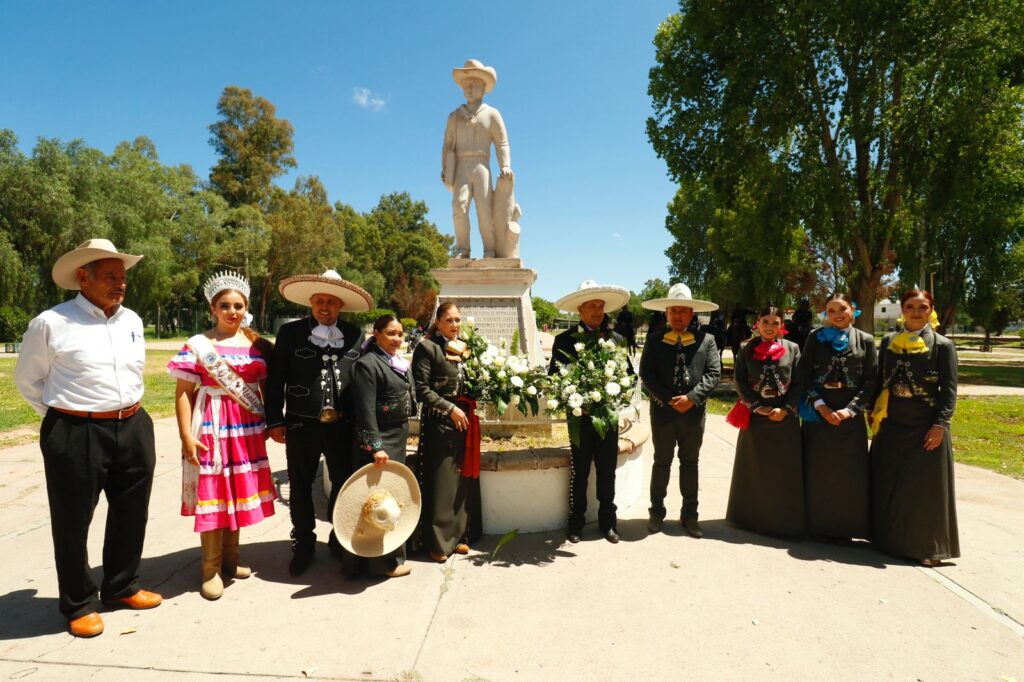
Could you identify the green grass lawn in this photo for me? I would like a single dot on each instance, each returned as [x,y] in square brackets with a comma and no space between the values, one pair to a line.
[991,375]
[158,398]
[988,431]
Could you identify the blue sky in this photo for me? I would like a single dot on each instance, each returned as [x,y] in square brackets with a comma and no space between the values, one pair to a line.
[368,86]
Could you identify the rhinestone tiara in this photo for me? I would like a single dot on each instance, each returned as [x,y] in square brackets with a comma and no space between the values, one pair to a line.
[225,280]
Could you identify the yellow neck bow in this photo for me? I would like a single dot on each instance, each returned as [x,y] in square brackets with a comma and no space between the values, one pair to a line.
[673,337]
[908,342]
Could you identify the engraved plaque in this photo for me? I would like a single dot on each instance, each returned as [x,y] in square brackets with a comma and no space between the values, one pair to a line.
[496,317]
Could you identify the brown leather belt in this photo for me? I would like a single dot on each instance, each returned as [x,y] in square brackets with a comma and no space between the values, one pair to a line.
[121,414]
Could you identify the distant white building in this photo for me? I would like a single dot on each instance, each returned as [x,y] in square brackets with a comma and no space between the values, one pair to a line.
[886,312]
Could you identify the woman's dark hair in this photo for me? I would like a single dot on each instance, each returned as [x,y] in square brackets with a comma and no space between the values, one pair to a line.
[913,293]
[382,322]
[439,313]
[770,310]
[840,296]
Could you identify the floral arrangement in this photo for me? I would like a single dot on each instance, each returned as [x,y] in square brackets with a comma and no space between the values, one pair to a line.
[597,384]
[495,375]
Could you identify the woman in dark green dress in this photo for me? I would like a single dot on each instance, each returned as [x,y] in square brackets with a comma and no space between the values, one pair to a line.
[383,397]
[913,504]
[767,491]
[449,491]
[837,374]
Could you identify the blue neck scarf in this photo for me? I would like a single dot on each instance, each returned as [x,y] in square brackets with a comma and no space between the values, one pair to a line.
[839,339]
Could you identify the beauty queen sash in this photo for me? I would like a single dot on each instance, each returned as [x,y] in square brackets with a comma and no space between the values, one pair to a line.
[229,384]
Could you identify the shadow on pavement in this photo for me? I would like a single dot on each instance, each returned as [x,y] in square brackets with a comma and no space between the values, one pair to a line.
[855,553]
[37,616]
[526,549]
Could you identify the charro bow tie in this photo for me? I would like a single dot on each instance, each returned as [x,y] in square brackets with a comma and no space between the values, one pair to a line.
[673,337]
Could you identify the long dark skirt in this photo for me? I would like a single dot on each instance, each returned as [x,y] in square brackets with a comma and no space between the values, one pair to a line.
[837,478]
[767,492]
[394,440]
[451,502]
[913,505]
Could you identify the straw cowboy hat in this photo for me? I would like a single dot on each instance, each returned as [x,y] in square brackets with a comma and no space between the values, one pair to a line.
[589,290]
[66,267]
[377,509]
[679,295]
[300,288]
[476,69]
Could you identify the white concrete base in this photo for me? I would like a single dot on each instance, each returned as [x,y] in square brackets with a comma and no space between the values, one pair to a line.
[537,500]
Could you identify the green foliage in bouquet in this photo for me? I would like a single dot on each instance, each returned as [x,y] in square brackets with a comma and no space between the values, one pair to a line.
[494,375]
[598,384]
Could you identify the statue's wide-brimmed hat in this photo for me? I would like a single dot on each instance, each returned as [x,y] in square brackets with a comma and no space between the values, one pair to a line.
[614,297]
[679,295]
[476,69]
[377,509]
[66,267]
[300,288]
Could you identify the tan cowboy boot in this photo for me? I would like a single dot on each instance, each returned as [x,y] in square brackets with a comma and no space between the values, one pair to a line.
[213,586]
[229,562]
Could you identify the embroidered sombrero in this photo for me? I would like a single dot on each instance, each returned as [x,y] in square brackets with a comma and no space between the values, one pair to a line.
[300,288]
[679,295]
[614,297]
[377,509]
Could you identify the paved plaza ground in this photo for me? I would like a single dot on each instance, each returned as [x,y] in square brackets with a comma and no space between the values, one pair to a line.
[732,606]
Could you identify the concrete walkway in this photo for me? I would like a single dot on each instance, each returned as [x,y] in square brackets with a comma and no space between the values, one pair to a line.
[731,606]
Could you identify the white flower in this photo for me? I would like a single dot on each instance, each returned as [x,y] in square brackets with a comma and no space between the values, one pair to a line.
[569,390]
[499,360]
[610,364]
[517,382]
[485,375]
[577,412]
[612,388]
[563,371]
[486,360]
[609,372]
[501,374]
[590,364]
[578,346]
[625,380]
[552,404]
[595,396]
[531,390]
[575,400]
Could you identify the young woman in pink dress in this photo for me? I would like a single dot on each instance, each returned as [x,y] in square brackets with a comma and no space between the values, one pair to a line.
[227,481]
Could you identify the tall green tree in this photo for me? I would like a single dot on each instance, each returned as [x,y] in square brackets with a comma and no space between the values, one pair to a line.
[832,95]
[254,146]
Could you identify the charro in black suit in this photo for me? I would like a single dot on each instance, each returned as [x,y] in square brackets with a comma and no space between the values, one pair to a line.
[604,452]
[295,398]
[668,370]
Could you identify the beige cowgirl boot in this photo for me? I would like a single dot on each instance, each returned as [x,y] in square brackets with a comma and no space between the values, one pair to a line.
[213,586]
[229,559]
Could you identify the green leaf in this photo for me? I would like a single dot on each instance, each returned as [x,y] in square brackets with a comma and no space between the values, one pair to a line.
[504,540]
[574,428]
[501,405]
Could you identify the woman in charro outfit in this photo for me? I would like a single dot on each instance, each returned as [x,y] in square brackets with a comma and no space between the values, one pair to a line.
[838,371]
[383,396]
[448,462]
[767,491]
[227,482]
[913,504]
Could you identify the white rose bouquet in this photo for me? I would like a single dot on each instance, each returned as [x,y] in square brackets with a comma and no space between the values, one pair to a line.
[598,384]
[504,379]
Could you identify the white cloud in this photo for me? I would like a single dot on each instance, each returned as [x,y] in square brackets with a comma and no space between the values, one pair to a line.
[366,99]
[616,235]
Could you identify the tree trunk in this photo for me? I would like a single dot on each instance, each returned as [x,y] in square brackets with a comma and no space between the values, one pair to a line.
[866,289]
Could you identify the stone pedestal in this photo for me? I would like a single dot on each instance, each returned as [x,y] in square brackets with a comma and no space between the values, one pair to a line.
[495,292]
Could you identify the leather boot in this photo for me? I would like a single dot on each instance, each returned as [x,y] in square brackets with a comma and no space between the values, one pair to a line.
[213,586]
[229,561]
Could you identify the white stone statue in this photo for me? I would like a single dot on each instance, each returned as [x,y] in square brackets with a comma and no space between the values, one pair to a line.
[466,169]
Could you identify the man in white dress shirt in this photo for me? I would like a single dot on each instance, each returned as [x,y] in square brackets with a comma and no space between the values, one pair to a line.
[81,369]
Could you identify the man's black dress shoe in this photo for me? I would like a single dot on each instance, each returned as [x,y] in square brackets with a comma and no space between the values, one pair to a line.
[301,558]
[654,524]
[693,528]
[611,536]
[573,537]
